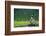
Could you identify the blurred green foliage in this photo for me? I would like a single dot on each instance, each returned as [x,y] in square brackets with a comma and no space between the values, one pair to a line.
[23,15]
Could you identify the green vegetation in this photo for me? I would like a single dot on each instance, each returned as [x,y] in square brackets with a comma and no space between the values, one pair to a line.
[26,17]
[21,23]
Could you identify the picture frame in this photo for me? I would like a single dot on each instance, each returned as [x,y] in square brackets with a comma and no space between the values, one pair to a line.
[10,5]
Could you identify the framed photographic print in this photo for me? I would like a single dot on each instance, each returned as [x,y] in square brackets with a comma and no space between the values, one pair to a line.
[24,17]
